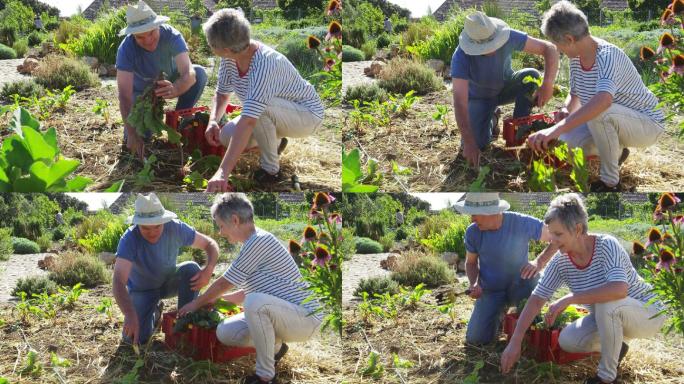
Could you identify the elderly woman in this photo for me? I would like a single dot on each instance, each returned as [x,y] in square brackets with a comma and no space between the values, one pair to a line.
[599,274]
[276,101]
[271,290]
[609,108]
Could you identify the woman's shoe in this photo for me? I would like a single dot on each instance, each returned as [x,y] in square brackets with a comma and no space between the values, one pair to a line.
[254,379]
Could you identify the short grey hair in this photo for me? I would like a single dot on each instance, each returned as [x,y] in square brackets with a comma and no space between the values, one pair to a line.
[564,18]
[569,210]
[228,28]
[229,204]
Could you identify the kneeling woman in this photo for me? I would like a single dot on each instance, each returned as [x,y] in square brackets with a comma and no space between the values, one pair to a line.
[271,290]
[599,274]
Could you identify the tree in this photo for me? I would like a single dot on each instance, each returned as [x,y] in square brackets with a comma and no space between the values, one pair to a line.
[245,5]
[645,9]
[300,8]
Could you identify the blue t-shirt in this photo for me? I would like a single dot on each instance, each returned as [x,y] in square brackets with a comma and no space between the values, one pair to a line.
[503,252]
[153,264]
[486,74]
[146,65]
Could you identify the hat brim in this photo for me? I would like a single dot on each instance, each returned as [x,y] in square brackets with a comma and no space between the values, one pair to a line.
[145,27]
[165,218]
[490,210]
[470,47]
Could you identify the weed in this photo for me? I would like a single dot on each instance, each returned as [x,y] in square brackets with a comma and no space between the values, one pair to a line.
[442,114]
[479,184]
[354,179]
[374,367]
[32,366]
[146,175]
[105,307]
[474,376]
[102,108]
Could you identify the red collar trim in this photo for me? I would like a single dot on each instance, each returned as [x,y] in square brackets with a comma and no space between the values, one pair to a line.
[593,250]
[243,74]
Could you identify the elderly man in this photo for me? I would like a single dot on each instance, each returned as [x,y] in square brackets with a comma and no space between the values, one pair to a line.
[145,270]
[497,266]
[150,48]
[483,79]
[270,286]
[609,108]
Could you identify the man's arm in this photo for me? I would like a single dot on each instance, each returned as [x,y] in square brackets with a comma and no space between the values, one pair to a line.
[551,59]
[472,268]
[124,83]
[531,269]
[131,328]
[211,248]
[215,291]
[460,94]
[186,78]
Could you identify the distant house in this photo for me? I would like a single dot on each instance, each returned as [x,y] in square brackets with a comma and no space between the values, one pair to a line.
[526,6]
[159,6]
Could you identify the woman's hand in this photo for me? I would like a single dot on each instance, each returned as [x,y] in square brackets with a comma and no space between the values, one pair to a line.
[218,183]
[510,356]
[556,308]
[187,308]
[539,141]
[213,134]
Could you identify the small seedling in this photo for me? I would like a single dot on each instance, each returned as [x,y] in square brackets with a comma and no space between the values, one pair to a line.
[374,367]
[474,376]
[102,108]
[479,184]
[146,175]
[442,114]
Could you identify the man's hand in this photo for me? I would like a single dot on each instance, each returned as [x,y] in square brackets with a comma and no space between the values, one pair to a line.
[201,279]
[213,133]
[187,308]
[510,356]
[131,327]
[560,114]
[471,152]
[475,291]
[135,145]
[539,141]
[218,183]
[165,89]
[543,94]
[555,309]
[530,269]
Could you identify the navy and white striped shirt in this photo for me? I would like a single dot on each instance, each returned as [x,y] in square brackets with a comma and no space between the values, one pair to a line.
[265,266]
[608,263]
[613,72]
[270,75]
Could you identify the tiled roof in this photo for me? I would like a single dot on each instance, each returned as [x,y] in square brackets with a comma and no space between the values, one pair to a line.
[526,6]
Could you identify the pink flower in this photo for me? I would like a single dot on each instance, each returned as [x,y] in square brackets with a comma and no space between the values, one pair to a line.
[678,68]
[328,65]
[321,256]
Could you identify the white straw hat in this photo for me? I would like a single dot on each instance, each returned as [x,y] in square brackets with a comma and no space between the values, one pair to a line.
[483,203]
[483,34]
[141,19]
[150,211]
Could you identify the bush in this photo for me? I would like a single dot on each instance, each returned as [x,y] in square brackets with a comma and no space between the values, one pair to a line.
[7,52]
[89,225]
[21,46]
[71,29]
[348,244]
[377,285]
[102,39]
[350,53]
[365,245]
[383,41]
[403,75]
[58,234]
[24,246]
[57,72]
[6,249]
[449,240]
[30,228]
[365,92]
[444,40]
[35,38]
[8,35]
[106,240]
[368,48]
[34,285]
[419,31]
[73,268]
[44,242]
[429,270]
[23,88]
[401,234]
[387,241]
[354,36]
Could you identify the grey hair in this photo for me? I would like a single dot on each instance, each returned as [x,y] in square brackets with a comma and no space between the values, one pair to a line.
[227,28]
[569,210]
[229,204]
[564,18]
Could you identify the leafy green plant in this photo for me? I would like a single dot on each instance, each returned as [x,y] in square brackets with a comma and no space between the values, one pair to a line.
[24,88]
[106,240]
[442,114]
[102,108]
[354,179]
[402,105]
[365,92]
[146,175]
[30,159]
[374,367]
[404,75]
[101,39]
[147,115]
[34,285]
[32,367]
[6,246]
[24,246]
[474,376]
[543,177]
[59,72]
[73,268]
[105,307]
[479,184]
[377,285]
[57,361]
[428,270]
[7,52]
[579,174]
[412,298]
[365,245]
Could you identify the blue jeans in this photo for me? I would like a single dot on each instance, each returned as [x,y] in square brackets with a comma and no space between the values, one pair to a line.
[481,111]
[145,302]
[486,317]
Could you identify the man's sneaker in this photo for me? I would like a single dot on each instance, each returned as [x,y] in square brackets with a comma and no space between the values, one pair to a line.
[282,145]
[623,351]
[600,186]
[623,156]
[254,379]
[263,177]
[281,352]
[596,380]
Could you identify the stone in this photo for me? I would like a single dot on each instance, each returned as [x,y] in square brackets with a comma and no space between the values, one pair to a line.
[102,70]
[47,263]
[29,65]
[450,258]
[111,70]
[92,62]
[374,69]
[107,257]
[391,262]
[461,266]
[436,65]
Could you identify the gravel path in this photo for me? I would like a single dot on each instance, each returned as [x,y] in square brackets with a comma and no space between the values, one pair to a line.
[352,74]
[16,267]
[360,267]
[8,71]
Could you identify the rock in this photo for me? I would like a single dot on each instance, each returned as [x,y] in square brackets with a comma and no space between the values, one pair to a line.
[47,263]
[447,71]
[436,65]
[107,257]
[374,69]
[450,258]
[102,70]
[92,62]
[111,70]
[391,262]
[29,65]
[461,266]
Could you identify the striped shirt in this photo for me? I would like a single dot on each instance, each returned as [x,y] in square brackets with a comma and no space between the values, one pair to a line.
[265,266]
[270,75]
[608,263]
[613,72]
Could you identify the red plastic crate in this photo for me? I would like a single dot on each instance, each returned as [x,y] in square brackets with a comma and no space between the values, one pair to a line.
[510,127]
[199,343]
[193,136]
[543,343]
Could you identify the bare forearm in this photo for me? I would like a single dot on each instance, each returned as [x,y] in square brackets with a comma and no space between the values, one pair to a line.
[463,120]
[214,292]
[472,272]
[218,106]
[212,251]
[237,297]
[532,308]
[238,143]
[125,104]
[551,59]
[123,299]
[185,82]
[546,255]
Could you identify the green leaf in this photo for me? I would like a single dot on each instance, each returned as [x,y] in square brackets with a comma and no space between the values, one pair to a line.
[16,153]
[359,188]
[37,146]
[28,184]
[51,138]
[22,118]
[399,170]
[78,184]
[56,172]
[116,187]
[351,166]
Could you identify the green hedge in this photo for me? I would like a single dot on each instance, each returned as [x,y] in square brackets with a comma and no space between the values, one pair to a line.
[24,246]
[365,245]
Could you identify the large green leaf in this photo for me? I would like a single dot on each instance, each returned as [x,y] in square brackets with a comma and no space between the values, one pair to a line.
[55,172]
[16,153]
[37,146]
[22,118]
[359,188]
[51,138]
[28,184]
[78,184]
[5,185]
[116,187]
[351,167]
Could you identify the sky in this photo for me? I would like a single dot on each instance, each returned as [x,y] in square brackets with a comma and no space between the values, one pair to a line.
[439,200]
[418,8]
[96,201]
[68,7]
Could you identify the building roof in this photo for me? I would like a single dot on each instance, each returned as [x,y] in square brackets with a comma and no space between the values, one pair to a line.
[159,6]
[526,6]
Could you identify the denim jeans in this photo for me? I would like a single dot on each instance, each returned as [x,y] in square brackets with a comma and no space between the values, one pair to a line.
[145,302]
[486,317]
[481,111]
[605,328]
[266,322]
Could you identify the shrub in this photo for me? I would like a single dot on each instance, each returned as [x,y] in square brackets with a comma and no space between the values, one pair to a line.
[368,48]
[7,52]
[401,234]
[403,75]
[24,246]
[23,88]
[429,270]
[419,31]
[71,29]
[29,228]
[383,41]
[444,40]
[304,59]
[21,46]
[106,240]
[350,53]
[58,234]
[354,36]
[73,268]
[57,72]
[387,241]
[35,38]
[102,39]
[34,285]
[379,285]
[365,92]
[44,241]
[365,245]
[8,34]
[6,248]
[91,224]
[449,240]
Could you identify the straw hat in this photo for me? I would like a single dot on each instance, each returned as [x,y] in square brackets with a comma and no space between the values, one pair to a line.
[483,203]
[150,211]
[141,19]
[483,34]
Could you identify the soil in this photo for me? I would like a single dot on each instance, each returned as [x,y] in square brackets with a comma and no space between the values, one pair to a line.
[431,150]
